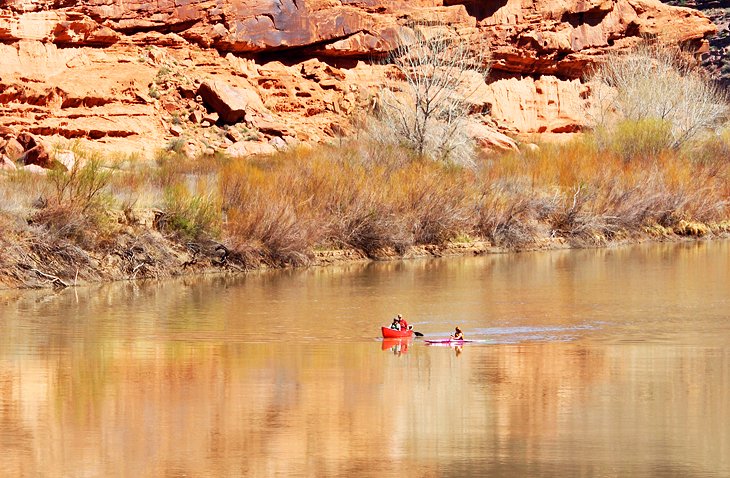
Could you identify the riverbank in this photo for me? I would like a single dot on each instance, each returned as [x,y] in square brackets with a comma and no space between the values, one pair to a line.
[143,253]
[103,220]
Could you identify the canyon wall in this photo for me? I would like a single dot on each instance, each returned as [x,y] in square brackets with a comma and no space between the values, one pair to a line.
[251,76]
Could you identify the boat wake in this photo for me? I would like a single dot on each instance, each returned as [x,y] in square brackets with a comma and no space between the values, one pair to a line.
[512,335]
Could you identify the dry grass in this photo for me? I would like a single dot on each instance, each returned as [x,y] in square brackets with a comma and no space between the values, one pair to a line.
[590,196]
[332,197]
[278,210]
[342,197]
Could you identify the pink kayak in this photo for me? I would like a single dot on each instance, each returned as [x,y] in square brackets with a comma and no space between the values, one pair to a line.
[447,341]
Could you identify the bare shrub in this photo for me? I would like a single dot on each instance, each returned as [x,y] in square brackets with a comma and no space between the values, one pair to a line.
[655,82]
[76,203]
[713,148]
[568,219]
[427,107]
[588,196]
[619,207]
[270,231]
[509,213]
[263,221]
[340,197]
[82,187]
[67,223]
[438,200]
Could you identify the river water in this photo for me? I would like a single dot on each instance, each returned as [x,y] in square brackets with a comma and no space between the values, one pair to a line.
[605,363]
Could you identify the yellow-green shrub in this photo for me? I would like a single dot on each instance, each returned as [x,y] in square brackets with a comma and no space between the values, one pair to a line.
[191,215]
[639,139]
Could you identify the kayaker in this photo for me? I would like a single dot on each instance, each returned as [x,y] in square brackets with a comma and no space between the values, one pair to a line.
[396,324]
[402,322]
[457,335]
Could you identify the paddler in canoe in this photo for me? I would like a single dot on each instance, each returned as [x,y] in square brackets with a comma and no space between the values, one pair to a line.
[399,323]
[402,322]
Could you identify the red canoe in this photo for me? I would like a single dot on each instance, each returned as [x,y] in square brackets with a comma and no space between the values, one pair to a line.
[389,333]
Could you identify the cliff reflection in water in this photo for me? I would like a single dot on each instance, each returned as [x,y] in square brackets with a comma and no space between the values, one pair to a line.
[245,377]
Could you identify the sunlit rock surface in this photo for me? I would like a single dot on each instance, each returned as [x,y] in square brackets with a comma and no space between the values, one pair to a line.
[127,75]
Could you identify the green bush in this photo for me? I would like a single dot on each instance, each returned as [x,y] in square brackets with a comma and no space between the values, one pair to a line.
[640,139]
[189,215]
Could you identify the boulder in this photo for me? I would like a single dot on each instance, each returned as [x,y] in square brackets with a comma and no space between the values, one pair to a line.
[27,141]
[278,142]
[13,149]
[242,149]
[195,117]
[230,102]
[6,132]
[488,138]
[35,169]
[211,117]
[318,71]
[67,159]
[269,125]
[6,164]
[37,155]
[234,135]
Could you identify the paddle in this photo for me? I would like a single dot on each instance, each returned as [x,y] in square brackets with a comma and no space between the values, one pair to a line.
[417,334]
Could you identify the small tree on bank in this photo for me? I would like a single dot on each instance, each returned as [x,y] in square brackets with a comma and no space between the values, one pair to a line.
[656,85]
[428,105]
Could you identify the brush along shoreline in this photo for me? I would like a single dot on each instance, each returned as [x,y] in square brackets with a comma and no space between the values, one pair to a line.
[102,220]
[140,253]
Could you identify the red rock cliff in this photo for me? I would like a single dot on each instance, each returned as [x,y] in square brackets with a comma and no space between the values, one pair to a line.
[129,73]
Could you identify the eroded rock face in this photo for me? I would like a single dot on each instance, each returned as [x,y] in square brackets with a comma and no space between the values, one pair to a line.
[563,38]
[131,75]
[543,105]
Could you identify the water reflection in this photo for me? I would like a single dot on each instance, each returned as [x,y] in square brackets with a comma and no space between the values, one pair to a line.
[397,346]
[590,363]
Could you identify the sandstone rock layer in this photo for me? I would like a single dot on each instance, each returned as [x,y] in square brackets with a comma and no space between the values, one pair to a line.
[134,75]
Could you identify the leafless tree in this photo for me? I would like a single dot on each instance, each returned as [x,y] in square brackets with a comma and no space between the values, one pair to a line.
[427,105]
[656,82]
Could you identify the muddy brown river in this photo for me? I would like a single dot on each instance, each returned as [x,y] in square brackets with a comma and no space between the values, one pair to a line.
[590,363]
